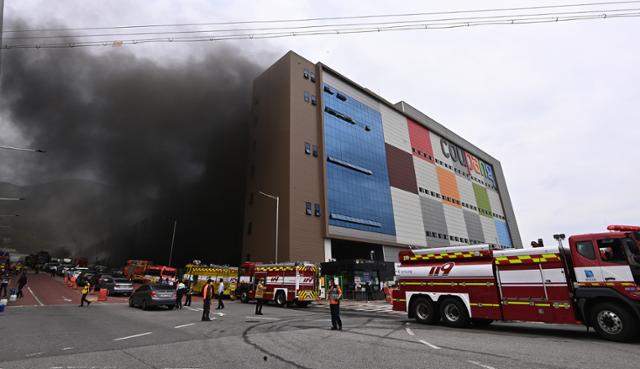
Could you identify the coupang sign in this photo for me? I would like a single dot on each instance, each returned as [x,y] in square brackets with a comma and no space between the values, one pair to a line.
[473,164]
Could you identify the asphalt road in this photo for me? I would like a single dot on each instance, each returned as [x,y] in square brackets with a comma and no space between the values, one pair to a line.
[116,336]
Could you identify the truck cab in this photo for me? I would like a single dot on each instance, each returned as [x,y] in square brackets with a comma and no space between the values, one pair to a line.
[606,279]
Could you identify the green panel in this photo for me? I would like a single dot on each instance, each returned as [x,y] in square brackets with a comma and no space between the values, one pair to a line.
[482,199]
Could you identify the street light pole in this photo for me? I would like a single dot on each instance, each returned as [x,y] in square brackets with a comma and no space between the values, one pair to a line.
[173,238]
[277,198]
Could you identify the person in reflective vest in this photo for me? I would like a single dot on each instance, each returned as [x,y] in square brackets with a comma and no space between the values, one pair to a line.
[259,297]
[207,292]
[85,291]
[334,295]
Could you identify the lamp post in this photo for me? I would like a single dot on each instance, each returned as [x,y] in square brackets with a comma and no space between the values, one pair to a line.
[173,238]
[273,197]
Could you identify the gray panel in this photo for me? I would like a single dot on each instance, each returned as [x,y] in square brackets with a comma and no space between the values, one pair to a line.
[434,221]
[474,227]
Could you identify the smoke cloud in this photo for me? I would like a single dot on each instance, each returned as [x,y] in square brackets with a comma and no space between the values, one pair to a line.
[132,145]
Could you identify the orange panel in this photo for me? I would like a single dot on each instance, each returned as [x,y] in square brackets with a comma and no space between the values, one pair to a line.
[448,186]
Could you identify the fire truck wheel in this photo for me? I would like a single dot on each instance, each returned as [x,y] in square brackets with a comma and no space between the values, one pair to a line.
[424,311]
[244,297]
[613,322]
[454,313]
[281,300]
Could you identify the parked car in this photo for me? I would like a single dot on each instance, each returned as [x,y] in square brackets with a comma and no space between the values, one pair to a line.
[115,285]
[152,295]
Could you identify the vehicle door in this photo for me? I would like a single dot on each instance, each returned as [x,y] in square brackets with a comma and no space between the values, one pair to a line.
[141,294]
[613,261]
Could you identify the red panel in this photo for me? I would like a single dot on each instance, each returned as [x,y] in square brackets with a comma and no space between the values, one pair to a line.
[420,141]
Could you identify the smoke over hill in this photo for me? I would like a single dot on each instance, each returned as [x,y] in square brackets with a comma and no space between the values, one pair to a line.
[163,141]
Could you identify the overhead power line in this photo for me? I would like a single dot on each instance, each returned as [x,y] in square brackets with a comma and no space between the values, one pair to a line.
[320,19]
[322,26]
[354,28]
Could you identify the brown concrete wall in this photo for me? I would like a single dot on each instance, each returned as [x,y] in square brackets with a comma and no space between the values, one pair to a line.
[269,156]
[306,180]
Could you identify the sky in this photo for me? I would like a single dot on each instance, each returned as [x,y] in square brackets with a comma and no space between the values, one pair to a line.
[556,104]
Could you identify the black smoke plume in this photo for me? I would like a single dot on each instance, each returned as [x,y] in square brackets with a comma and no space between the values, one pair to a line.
[132,145]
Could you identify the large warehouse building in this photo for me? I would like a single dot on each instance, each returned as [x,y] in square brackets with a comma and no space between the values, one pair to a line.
[357,177]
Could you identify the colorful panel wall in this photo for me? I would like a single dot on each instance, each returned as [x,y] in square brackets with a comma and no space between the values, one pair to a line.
[389,174]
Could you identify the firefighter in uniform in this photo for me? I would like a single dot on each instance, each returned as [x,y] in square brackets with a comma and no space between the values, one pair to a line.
[259,297]
[207,292]
[335,294]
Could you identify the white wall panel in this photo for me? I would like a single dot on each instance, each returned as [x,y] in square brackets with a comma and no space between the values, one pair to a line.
[455,223]
[494,201]
[426,175]
[356,94]
[407,214]
[489,230]
[466,191]
[437,150]
[396,129]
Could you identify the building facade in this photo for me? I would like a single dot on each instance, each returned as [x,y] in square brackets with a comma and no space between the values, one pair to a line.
[357,177]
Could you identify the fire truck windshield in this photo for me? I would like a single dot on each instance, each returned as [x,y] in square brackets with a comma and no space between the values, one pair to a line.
[153,272]
[169,273]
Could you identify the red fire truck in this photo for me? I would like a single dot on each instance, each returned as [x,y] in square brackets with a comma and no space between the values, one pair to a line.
[594,281]
[135,269]
[159,274]
[286,283]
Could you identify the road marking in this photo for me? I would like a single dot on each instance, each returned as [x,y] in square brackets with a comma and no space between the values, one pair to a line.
[66,299]
[35,297]
[184,325]
[67,348]
[34,354]
[192,309]
[480,365]
[409,331]
[261,318]
[132,336]
[430,345]
[220,314]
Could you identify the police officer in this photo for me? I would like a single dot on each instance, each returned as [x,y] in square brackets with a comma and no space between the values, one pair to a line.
[335,294]
[207,292]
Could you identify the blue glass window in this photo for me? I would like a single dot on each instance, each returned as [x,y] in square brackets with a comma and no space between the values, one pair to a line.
[359,194]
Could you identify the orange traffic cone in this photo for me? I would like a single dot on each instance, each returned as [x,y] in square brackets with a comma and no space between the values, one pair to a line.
[102,296]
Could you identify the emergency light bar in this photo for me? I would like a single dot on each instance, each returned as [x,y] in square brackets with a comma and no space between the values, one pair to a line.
[623,228]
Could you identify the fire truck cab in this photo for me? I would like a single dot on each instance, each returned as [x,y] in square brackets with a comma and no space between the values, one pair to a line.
[594,281]
[159,274]
[286,283]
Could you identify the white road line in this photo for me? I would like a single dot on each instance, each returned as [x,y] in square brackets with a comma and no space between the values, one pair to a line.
[192,309]
[34,354]
[261,318]
[221,314]
[35,297]
[67,348]
[480,365]
[430,345]
[184,325]
[66,299]
[133,336]
[409,331]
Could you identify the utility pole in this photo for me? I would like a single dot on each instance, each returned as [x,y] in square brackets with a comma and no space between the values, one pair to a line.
[173,238]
